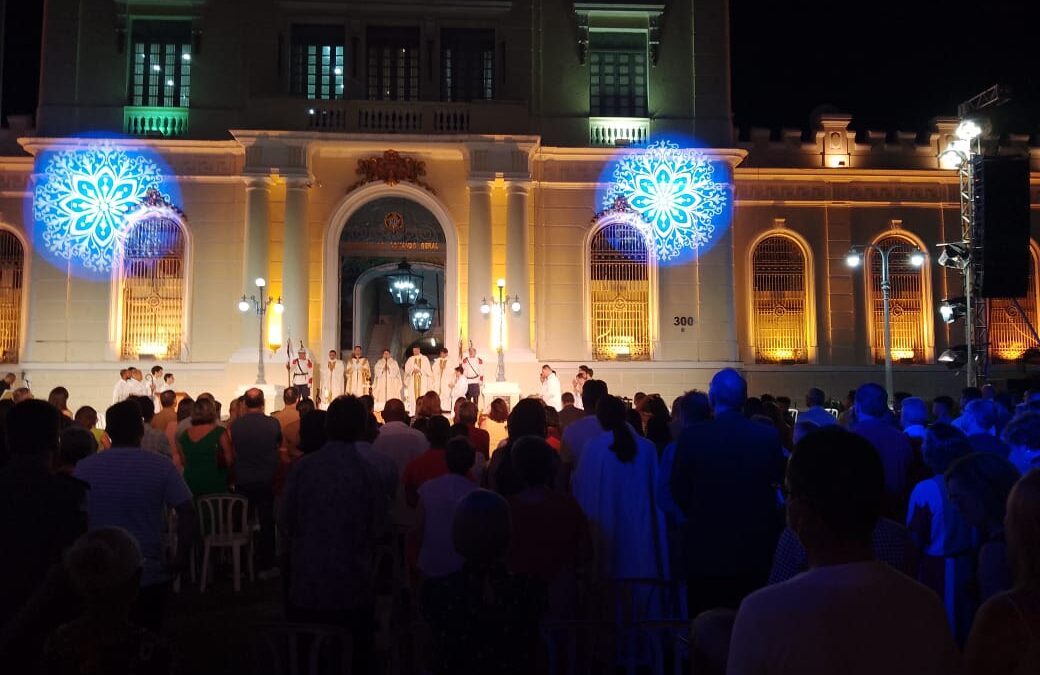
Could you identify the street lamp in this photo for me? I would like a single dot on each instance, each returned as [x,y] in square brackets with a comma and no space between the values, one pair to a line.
[853,259]
[502,303]
[260,305]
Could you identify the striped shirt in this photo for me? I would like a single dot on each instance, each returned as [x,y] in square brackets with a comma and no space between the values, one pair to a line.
[134,489]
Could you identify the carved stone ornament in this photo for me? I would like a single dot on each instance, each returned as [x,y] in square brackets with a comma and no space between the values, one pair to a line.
[619,206]
[391,168]
[393,222]
[154,203]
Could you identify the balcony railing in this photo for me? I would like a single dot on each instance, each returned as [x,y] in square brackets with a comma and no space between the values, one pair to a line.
[155,121]
[619,131]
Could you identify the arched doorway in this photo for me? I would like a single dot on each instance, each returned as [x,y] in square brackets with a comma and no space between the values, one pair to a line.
[375,237]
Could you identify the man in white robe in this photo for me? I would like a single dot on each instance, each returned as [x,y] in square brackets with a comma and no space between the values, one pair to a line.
[388,382]
[418,378]
[359,374]
[459,385]
[122,389]
[331,379]
[550,389]
[443,379]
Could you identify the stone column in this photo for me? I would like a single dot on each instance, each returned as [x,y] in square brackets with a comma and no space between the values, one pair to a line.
[518,269]
[479,282]
[257,250]
[295,268]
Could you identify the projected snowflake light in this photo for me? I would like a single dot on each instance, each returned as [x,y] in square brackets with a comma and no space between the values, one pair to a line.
[675,192]
[83,198]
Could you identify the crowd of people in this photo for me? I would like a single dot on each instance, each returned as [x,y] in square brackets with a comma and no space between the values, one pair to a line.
[874,536]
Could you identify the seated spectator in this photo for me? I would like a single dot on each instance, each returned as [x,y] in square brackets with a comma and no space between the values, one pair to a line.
[914,418]
[978,487]
[104,567]
[483,619]
[438,498]
[551,539]
[1022,436]
[526,419]
[205,450]
[1005,638]
[873,424]
[979,423]
[814,411]
[140,505]
[431,463]
[87,418]
[940,531]
[849,613]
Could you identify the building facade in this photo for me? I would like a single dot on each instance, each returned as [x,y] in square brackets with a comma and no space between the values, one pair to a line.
[318,144]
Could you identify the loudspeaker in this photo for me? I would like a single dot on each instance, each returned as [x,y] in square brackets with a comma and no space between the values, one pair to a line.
[1000,249]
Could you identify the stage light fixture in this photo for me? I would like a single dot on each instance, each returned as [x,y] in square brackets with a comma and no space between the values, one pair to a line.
[955,357]
[954,256]
[952,309]
[969,130]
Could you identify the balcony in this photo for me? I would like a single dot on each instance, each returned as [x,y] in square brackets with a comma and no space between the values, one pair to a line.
[155,121]
[618,131]
[389,117]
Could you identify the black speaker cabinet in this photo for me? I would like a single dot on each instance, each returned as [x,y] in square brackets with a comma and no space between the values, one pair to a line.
[1001,242]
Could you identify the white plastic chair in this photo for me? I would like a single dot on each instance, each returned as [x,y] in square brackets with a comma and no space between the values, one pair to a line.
[224,523]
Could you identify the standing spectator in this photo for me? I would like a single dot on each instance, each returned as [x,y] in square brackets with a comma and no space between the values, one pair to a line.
[724,481]
[815,399]
[153,439]
[942,409]
[526,419]
[1022,436]
[847,417]
[257,440]
[979,424]
[7,383]
[913,417]
[167,412]
[978,486]
[330,507]
[205,449]
[849,613]
[59,398]
[551,539]
[495,424]
[87,418]
[402,444]
[466,413]
[693,409]
[434,516]
[483,619]
[873,423]
[74,444]
[968,394]
[135,489]
[288,414]
[580,431]
[944,538]
[1005,639]
[40,513]
[431,463]
[569,412]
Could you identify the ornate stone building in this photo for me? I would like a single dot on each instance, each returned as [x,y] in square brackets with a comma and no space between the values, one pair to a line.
[317,144]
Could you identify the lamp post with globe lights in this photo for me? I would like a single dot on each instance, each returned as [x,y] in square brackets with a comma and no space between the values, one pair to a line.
[501,304]
[260,305]
[854,258]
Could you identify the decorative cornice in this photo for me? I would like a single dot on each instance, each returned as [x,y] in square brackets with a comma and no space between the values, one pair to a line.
[391,168]
[155,203]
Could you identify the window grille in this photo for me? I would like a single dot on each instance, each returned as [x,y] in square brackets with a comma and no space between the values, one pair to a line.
[161,68]
[620,293]
[780,301]
[617,75]
[1009,334]
[393,64]
[153,289]
[317,70]
[467,65]
[906,304]
[12,265]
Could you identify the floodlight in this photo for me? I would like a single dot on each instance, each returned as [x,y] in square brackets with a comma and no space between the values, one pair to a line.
[853,259]
[917,258]
[955,256]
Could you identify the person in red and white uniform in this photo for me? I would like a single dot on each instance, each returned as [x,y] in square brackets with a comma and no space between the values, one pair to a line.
[473,370]
[301,373]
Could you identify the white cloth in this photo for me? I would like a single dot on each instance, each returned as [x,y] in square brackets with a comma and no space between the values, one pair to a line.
[136,387]
[402,444]
[301,372]
[121,391]
[473,369]
[857,619]
[387,383]
[628,534]
[551,393]
[331,382]
[418,378]
[443,378]
[359,376]
[458,390]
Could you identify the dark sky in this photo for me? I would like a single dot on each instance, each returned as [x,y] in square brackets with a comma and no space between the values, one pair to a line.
[893,64]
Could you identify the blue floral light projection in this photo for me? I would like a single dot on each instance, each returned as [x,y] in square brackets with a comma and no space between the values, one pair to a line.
[677,194]
[83,199]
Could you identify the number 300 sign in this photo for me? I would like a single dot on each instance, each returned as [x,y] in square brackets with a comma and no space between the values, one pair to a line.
[682,320]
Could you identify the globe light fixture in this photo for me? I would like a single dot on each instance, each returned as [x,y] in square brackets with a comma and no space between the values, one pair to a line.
[260,282]
[243,304]
[261,306]
[917,258]
[853,259]
[279,308]
[516,305]
[485,308]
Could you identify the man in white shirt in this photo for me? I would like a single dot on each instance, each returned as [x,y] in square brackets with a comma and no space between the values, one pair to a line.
[121,391]
[402,444]
[473,369]
[814,412]
[849,614]
[550,389]
[136,384]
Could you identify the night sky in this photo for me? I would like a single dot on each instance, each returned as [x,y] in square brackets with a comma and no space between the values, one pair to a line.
[893,64]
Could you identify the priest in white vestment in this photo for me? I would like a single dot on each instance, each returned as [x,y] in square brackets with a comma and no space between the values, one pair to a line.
[331,379]
[359,374]
[387,384]
[443,379]
[418,379]
[550,389]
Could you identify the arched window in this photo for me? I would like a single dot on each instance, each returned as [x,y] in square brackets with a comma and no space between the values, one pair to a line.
[152,289]
[781,303]
[907,303]
[12,265]
[620,292]
[1009,334]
